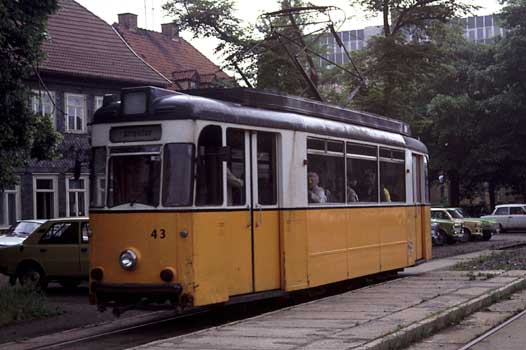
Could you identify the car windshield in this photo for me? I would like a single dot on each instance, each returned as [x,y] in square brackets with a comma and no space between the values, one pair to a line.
[455,214]
[23,229]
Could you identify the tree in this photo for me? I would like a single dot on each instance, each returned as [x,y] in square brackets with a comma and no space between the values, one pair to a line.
[399,16]
[255,50]
[407,55]
[25,135]
[508,103]
[476,125]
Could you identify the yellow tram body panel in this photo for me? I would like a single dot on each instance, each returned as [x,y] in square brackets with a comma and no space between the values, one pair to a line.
[328,245]
[293,249]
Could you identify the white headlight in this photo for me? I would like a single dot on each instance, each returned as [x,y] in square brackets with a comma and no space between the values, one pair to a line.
[128,259]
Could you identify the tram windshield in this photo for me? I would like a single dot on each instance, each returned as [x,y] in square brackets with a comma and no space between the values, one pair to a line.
[134,179]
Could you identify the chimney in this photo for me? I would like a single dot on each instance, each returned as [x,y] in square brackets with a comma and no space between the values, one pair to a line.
[170,30]
[128,20]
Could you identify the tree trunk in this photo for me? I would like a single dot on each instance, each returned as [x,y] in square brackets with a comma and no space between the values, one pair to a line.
[491,190]
[387,29]
[454,188]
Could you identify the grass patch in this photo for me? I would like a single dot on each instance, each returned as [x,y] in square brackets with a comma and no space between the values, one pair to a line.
[23,303]
[504,260]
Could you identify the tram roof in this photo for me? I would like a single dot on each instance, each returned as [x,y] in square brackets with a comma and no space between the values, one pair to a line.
[264,109]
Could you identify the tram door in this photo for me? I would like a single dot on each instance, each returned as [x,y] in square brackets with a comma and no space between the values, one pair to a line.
[253,182]
[418,200]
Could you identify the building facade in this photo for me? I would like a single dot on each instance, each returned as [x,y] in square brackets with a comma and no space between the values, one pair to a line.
[86,59]
[479,29]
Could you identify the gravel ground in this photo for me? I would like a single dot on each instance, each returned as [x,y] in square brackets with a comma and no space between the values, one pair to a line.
[497,242]
[513,259]
[77,312]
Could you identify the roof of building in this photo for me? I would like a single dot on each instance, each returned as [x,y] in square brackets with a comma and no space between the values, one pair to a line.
[81,44]
[174,58]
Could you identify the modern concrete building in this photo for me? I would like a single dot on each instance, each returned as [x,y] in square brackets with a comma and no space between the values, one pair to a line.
[480,29]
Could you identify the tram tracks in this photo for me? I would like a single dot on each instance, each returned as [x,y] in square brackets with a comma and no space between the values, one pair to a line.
[492,331]
[134,331]
[102,334]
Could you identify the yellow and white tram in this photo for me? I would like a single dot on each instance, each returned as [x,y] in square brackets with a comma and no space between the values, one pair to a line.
[200,199]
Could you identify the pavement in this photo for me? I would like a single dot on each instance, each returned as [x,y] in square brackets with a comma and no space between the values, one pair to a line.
[389,315]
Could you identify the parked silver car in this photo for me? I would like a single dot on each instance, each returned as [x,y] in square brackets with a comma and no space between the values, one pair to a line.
[19,232]
[509,216]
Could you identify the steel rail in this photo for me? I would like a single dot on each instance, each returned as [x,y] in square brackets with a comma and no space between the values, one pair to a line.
[117,331]
[80,338]
[493,331]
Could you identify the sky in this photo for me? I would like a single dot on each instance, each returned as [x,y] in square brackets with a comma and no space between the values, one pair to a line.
[151,15]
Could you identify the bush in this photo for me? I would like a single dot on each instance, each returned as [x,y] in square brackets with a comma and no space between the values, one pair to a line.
[23,303]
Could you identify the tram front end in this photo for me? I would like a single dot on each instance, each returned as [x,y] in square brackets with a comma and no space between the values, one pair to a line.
[141,175]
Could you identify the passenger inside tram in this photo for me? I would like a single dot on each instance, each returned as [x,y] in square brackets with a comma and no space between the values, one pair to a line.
[235,139]
[316,193]
[235,186]
[352,196]
[370,186]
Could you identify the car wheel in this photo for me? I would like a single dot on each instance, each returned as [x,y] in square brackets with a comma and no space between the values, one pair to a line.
[486,236]
[448,239]
[32,276]
[69,283]
[466,236]
[440,239]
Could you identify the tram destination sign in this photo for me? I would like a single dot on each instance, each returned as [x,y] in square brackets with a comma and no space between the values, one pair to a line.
[135,133]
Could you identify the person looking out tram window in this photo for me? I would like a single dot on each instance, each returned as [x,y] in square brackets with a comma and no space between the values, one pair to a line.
[316,193]
[235,172]
[234,183]
[352,196]
[386,195]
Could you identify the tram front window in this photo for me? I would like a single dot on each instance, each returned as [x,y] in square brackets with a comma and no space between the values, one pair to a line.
[178,174]
[134,179]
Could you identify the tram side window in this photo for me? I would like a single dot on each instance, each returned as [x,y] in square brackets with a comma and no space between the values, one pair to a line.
[362,170]
[392,175]
[325,171]
[178,174]
[209,188]
[236,182]
[267,183]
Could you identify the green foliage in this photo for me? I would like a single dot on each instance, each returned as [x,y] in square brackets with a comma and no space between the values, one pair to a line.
[211,19]
[23,303]
[24,134]
[254,50]
[466,101]
[414,15]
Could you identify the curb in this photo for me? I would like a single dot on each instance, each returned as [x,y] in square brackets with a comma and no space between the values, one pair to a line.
[422,329]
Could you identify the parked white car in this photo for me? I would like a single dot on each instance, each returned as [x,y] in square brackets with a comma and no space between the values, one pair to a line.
[19,232]
[509,216]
